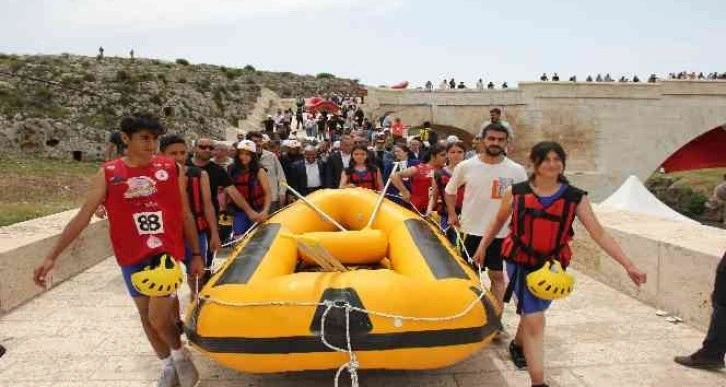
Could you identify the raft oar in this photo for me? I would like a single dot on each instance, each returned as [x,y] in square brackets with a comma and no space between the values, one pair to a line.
[315,208]
[313,249]
[379,202]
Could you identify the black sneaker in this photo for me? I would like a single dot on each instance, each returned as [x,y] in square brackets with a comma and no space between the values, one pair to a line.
[2,351]
[517,354]
[701,360]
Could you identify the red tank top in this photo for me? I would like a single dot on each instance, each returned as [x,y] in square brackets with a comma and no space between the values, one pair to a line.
[420,184]
[144,210]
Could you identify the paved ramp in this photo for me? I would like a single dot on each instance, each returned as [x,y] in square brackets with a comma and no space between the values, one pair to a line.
[85,332]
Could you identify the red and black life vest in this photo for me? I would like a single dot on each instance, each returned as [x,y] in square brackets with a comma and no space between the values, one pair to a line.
[196,200]
[250,188]
[442,177]
[363,179]
[539,233]
[420,185]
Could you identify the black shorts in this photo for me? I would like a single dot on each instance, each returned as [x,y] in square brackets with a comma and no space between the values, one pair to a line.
[492,256]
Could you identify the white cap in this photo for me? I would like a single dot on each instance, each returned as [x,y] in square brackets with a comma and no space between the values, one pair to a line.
[265,138]
[336,144]
[452,139]
[294,144]
[247,145]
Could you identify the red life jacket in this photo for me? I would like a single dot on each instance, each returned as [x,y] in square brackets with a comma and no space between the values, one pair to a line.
[538,233]
[363,179]
[442,177]
[196,202]
[144,209]
[250,188]
[420,184]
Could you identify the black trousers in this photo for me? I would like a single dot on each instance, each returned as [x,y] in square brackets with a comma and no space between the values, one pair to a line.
[715,342]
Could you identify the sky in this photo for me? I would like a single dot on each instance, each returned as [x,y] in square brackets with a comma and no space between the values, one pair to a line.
[382,42]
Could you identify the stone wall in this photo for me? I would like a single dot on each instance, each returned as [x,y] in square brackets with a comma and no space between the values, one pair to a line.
[679,258]
[24,245]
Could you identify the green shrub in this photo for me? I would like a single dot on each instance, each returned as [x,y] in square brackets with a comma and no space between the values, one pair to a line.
[16,65]
[325,76]
[122,76]
[695,203]
[182,61]
[250,68]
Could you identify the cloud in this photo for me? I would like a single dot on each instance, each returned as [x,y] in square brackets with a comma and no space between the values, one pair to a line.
[172,13]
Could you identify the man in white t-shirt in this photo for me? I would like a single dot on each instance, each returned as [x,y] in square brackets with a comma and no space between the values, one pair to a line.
[486,177]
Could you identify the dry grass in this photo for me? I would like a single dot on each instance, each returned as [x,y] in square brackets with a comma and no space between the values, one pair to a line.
[35,187]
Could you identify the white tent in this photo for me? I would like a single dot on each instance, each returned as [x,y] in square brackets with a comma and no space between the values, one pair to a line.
[633,196]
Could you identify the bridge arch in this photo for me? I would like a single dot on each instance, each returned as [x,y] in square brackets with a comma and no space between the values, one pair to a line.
[707,150]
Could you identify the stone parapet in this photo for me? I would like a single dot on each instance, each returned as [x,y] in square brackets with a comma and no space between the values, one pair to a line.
[24,245]
[679,258]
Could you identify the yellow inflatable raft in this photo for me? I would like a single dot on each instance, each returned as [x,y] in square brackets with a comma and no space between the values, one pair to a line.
[412,302]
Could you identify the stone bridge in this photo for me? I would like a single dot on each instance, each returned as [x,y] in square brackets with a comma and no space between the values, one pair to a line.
[610,130]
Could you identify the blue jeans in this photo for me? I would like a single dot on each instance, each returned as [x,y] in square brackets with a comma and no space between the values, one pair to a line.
[203,247]
[715,342]
[241,223]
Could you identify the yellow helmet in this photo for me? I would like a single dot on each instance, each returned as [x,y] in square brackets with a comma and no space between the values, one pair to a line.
[550,282]
[161,278]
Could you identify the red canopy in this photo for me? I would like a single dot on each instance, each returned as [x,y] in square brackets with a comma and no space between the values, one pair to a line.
[317,104]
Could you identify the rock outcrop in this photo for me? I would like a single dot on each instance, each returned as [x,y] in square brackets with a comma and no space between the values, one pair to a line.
[57,105]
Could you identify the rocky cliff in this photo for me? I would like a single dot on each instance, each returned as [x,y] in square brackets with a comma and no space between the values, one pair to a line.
[56,105]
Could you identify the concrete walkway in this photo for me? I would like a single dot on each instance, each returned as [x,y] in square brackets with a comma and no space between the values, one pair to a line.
[84,332]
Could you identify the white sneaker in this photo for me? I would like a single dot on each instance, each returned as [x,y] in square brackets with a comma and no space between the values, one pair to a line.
[187,371]
[168,377]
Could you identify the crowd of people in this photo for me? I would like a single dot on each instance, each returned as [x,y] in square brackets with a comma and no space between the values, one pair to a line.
[451,84]
[504,219]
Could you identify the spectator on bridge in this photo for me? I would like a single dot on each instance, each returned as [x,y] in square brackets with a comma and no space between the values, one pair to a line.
[652,78]
[429,86]
[636,79]
[490,85]
[598,78]
[452,84]
[504,85]
[461,86]
[589,78]
[608,78]
[543,78]
[444,85]
[480,84]
[555,77]
[711,354]
[573,79]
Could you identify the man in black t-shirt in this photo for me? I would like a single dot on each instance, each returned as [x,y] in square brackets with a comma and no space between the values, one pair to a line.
[219,181]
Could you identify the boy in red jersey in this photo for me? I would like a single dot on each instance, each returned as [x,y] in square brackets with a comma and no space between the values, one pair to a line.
[148,213]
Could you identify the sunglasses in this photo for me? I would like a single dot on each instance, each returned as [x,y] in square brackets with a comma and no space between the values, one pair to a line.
[206,147]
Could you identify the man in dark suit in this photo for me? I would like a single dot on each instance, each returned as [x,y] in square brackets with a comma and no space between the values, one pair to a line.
[338,161]
[308,175]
